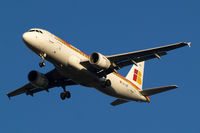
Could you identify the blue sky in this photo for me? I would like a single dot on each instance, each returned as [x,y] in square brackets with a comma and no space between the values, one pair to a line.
[109,27]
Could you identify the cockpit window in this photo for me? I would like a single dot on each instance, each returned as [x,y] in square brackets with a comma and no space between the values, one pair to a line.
[39,31]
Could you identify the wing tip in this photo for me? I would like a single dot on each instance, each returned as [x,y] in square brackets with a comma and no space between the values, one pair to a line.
[113,104]
[175,86]
[8,96]
[189,44]
[186,43]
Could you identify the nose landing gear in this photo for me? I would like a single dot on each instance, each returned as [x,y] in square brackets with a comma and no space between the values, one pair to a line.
[42,56]
[42,64]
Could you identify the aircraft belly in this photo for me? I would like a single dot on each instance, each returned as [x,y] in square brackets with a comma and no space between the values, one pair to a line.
[68,62]
[123,90]
[82,77]
[85,78]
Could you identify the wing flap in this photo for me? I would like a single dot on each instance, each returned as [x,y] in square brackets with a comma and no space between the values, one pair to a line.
[152,91]
[139,59]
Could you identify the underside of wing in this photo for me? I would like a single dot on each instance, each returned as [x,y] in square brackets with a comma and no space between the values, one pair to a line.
[126,59]
[121,60]
[131,61]
[54,78]
[21,90]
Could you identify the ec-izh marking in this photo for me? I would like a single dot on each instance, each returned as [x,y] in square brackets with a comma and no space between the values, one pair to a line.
[73,67]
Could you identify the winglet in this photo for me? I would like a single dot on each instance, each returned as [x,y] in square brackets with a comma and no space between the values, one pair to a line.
[9,96]
[189,44]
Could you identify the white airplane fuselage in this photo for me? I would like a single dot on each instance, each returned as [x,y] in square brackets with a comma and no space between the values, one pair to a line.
[67,58]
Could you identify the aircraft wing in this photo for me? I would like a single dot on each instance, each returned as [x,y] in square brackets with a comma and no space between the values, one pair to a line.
[125,59]
[21,90]
[53,76]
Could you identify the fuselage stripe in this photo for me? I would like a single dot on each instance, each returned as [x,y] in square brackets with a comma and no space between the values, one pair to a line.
[73,48]
[122,77]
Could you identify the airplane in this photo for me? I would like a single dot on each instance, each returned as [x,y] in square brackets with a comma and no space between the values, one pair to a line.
[73,67]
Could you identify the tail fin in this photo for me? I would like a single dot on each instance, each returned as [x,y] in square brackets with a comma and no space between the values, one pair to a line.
[135,75]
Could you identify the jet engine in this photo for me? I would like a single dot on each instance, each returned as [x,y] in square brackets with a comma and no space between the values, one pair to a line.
[99,61]
[38,79]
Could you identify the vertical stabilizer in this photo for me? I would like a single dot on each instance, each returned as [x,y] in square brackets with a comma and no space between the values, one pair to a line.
[135,75]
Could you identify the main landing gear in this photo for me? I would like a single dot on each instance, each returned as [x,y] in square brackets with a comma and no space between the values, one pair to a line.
[107,83]
[65,94]
[42,56]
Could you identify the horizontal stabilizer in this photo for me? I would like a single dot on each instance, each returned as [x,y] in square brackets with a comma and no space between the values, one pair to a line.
[118,102]
[149,92]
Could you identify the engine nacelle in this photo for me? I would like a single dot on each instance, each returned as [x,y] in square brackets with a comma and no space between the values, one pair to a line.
[99,61]
[38,79]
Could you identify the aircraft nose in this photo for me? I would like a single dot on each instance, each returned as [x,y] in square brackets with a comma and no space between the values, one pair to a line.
[26,37]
